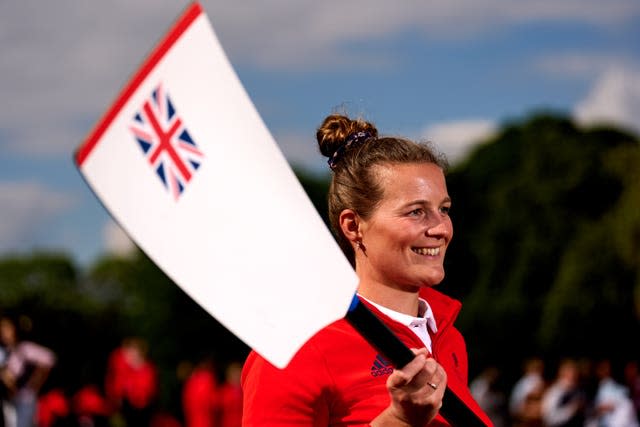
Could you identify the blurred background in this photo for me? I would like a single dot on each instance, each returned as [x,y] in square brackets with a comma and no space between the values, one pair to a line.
[536,104]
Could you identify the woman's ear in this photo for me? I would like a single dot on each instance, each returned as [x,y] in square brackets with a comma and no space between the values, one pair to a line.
[350,225]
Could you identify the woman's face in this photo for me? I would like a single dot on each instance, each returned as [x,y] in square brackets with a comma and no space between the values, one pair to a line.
[405,239]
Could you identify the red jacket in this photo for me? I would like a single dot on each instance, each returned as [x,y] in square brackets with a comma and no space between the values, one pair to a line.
[136,384]
[338,379]
[199,398]
[230,405]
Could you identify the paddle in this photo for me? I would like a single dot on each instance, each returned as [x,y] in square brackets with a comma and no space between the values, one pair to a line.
[186,166]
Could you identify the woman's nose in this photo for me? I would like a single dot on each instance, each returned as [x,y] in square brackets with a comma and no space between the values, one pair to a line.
[440,227]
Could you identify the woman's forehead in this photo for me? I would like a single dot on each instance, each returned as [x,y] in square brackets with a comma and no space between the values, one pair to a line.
[411,178]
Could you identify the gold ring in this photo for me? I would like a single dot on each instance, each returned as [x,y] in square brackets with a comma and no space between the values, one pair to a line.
[432,385]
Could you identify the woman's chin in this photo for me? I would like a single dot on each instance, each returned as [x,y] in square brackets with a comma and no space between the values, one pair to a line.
[433,278]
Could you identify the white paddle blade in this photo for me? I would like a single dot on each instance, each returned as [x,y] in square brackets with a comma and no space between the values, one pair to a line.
[184,163]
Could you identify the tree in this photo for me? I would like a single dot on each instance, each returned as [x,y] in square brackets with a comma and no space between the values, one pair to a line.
[546,242]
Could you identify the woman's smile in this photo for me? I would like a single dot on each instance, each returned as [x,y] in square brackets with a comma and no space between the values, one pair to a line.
[427,251]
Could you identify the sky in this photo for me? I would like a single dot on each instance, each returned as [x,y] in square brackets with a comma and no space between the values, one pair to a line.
[448,71]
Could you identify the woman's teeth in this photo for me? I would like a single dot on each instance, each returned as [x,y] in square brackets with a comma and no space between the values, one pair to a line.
[426,251]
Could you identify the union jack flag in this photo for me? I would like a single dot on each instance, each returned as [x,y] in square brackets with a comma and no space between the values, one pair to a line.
[165,142]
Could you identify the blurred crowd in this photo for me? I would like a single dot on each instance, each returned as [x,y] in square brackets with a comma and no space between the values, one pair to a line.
[567,393]
[127,398]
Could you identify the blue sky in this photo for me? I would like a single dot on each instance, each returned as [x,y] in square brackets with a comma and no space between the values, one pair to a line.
[447,71]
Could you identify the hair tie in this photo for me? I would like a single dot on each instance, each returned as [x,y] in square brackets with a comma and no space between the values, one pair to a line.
[354,138]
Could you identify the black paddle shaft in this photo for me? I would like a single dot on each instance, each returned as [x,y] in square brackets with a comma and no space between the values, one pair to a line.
[385,341]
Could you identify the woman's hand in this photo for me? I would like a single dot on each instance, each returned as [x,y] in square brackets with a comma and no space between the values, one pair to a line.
[416,393]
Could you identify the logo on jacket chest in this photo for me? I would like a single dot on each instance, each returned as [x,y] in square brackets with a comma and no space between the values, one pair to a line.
[381,367]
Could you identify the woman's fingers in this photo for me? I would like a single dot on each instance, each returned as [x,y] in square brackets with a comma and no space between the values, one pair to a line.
[417,389]
[436,377]
[408,373]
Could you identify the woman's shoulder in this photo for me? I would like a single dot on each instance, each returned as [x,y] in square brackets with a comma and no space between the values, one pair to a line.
[331,349]
[331,371]
[331,338]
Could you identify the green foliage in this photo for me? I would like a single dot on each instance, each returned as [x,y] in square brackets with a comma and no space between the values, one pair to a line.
[548,253]
[45,278]
[316,188]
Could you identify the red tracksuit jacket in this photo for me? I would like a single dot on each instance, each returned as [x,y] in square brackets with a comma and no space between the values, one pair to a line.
[338,379]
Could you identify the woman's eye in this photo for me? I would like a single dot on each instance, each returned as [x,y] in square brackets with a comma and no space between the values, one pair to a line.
[415,212]
[445,210]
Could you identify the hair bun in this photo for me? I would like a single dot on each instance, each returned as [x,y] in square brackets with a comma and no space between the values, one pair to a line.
[336,128]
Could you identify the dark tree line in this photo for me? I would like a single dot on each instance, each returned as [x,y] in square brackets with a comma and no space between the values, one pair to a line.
[547,257]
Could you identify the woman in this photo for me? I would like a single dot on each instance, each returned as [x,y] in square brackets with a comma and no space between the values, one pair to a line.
[389,208]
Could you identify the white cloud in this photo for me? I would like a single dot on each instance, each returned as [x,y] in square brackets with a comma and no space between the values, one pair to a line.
[596,13]
[613,99]
[63,62]
[303,34]
[456,138]
[116,241]
[27,209]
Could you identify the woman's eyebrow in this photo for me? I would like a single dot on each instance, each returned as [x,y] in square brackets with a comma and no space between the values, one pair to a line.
[426,202]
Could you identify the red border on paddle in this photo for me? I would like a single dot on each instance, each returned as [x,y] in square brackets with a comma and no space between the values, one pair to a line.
[182,24]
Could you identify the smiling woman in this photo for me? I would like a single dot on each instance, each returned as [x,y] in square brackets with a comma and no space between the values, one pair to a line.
[389,208]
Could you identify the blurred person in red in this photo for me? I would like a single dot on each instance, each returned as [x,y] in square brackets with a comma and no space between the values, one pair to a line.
[230,397]
[164,419]
[200,396]
[91,408]
[53,409]
[132,382]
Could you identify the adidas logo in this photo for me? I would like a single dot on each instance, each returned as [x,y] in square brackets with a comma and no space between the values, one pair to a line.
[381,366]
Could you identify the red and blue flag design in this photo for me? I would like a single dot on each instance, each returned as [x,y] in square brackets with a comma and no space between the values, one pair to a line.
[165,142]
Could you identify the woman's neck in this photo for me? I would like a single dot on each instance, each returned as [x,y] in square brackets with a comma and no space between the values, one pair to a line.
[400,300]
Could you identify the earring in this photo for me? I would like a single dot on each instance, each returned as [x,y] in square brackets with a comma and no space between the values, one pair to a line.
[358,245]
